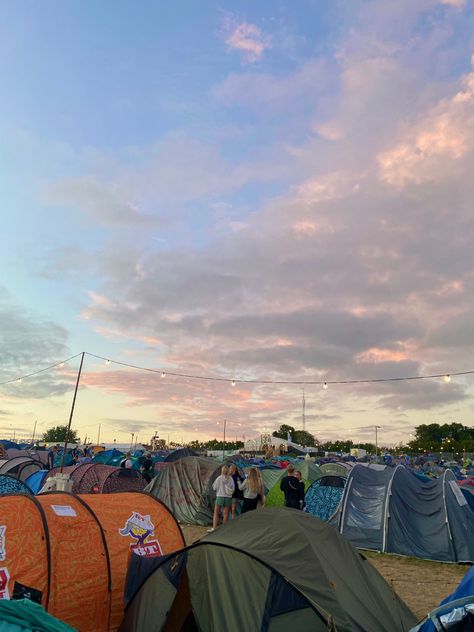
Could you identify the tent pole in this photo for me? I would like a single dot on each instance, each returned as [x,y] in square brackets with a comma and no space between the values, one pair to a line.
[72,411]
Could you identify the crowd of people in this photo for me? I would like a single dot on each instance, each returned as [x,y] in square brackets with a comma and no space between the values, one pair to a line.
[236,494]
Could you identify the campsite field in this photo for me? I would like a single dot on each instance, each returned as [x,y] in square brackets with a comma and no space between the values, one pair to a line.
[420,583]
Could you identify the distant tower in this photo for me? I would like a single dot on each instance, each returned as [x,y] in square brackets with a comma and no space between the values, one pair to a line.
[304,412]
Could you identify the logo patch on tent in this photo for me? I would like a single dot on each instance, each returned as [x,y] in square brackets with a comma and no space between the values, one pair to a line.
[3,552]
[4,578]
[141,528]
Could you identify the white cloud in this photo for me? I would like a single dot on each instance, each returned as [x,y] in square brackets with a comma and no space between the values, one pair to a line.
[246,38]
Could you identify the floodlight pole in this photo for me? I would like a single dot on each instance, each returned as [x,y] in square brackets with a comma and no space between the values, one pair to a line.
[376,443]
[72,411]
[223,448]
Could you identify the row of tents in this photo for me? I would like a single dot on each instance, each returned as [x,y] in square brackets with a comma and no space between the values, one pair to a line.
[375,507]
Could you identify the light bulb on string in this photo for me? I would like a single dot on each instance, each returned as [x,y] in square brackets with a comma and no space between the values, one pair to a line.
[233,382]
[163,374]
[447,379]
[61,365]
[107,362]
[325,385]
[20,380]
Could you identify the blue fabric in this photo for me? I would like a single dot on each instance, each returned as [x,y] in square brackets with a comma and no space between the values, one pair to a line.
[464,589]
[35,480]
[10,485]
[323,500]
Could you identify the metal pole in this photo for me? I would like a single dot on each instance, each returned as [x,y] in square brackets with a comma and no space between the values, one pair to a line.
[98,436]
[131,445]
[72,411]
[34,432]
[376,444]
[223,448]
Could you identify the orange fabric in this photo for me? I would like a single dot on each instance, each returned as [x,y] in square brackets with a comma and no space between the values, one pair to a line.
[23,553]
[115,512]
[79,592]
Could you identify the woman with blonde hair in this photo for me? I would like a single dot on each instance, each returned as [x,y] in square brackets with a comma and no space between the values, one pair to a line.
[224,488]
[254,491]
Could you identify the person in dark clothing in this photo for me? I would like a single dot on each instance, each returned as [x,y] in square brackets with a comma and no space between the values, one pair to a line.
[300,478]
[147,467]
[290,486]
[237,496]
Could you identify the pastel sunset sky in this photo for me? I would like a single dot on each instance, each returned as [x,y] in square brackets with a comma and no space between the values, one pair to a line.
[267,190]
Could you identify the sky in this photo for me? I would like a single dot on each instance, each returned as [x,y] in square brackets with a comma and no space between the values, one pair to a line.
[260,190]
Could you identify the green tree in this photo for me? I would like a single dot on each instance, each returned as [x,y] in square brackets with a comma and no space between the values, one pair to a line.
[303,437]
[57,434]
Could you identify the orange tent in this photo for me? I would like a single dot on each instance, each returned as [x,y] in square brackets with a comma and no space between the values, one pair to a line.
[70,552]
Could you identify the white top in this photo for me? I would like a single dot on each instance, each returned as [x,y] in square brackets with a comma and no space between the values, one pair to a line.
[128,464]
[223,486]
[244,487]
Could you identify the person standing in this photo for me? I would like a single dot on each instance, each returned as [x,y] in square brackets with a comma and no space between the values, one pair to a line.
[300,479]
[253,490]
[290,486]
[147,467]
[224,488]
[127,463]
[237,496]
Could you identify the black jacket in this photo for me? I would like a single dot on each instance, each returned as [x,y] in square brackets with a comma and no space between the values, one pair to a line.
[290,486]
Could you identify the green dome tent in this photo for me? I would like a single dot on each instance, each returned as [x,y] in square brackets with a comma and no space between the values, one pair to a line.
[269,570]
[309,472]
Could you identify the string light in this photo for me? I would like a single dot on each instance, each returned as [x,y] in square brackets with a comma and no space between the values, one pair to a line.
[446,377]
[19,378]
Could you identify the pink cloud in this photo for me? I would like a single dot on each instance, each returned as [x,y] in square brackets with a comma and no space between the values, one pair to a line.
[246,38]
[431,147]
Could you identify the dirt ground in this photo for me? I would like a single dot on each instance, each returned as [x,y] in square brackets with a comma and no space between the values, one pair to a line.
[421,584]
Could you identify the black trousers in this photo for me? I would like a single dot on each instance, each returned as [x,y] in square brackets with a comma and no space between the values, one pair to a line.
[249,504]
[293,503]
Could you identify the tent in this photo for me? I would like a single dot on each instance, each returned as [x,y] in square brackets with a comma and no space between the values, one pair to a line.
[109,457]
[80,578]
[457,609]
[24,615]
[391,510]
[11,485]
[180,454]
[323,497]
[95,478]
[20,467]
[185,486]
[35,481]
[309,472]
[269,570]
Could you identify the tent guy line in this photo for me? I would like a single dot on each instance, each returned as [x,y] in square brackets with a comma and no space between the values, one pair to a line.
[446,376]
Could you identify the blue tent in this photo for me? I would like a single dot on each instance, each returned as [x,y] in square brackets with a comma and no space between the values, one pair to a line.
[9,444]
[109,457]
[35,481]
[323,497]
[12,485]
[390,510]
[457,608]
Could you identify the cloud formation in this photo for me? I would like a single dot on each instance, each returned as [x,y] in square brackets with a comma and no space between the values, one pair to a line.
[245,37]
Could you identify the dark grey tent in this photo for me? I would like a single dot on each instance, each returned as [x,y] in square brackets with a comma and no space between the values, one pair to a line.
[268,571]
[179,454]
[391,510]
